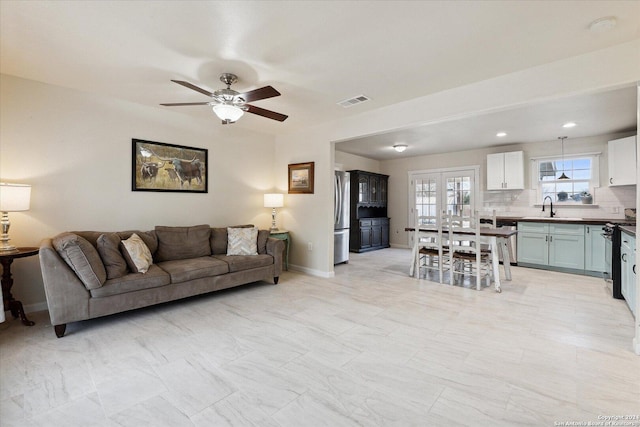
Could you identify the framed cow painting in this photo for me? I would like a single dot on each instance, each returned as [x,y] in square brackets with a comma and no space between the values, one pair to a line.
[156,166]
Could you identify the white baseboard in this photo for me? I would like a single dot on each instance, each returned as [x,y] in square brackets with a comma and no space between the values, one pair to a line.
[29,308]
[312,272]
[32,308]
[393,245]
[636,346]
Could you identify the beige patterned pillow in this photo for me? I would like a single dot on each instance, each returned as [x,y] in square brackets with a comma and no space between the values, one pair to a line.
[137,254]
[242,241]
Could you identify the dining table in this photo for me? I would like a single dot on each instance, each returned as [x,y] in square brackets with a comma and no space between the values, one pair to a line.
[498,240]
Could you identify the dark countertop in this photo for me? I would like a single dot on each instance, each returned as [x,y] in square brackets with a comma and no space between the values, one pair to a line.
[631,229]
[560,220]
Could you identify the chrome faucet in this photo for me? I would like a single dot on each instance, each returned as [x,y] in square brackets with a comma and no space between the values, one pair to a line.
[551,212]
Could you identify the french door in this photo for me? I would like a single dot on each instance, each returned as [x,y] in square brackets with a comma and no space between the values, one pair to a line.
[443,190]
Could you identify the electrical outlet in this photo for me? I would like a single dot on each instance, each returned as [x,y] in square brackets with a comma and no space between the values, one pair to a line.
[309,246]
[616,210]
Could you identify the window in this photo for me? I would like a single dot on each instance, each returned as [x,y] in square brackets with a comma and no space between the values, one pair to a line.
[582,171]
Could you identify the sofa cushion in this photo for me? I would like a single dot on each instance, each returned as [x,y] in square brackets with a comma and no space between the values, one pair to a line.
[183,242]
[263,236]
[131,282]
[219,238]
[83,259]
[245,262]
[182,270]
[137,254]
[109,249]
[242,241]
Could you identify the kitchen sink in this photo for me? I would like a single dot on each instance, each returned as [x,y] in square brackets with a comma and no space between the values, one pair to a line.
[555,218]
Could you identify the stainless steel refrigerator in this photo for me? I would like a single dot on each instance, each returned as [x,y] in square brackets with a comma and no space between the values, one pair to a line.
[341,218]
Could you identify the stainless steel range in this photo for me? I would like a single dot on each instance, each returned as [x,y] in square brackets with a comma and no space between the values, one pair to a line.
[613,274]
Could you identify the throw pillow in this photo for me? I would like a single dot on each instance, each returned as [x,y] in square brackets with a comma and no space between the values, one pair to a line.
[242,241]
[137,254]
[109,249]
[263,236]
[183,242]
[148,237]
[83,259]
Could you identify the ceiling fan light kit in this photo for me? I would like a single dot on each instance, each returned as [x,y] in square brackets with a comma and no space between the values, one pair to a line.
[228,113]
[230,105]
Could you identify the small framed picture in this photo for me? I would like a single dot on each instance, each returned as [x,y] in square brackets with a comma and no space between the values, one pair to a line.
[156,166]
[301,178]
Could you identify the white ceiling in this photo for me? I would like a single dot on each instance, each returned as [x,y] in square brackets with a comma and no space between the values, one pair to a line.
[599,113]
[316,53]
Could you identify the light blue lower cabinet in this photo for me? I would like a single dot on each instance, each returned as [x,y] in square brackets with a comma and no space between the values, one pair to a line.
[566,251]
[533,248]
[594,249]
[552,246]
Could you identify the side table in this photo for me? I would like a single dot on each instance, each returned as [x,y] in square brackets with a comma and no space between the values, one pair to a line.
[10,303]
[283,235]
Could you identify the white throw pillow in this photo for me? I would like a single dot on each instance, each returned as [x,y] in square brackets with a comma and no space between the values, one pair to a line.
[242,241]
[137,254]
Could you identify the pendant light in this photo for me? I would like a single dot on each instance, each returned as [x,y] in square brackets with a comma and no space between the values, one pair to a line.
[563,176]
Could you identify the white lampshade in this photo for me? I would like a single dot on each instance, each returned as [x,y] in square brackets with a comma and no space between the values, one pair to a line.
[228,112]
[273,200]
[14,197]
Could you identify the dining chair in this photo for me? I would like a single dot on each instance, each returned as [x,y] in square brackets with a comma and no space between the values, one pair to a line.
[465,255]
[429,250]
[488,221]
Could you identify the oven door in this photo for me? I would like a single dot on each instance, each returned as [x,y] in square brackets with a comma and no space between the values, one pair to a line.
[608,257]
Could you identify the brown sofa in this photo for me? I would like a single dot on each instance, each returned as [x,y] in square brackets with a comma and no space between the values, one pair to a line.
[85,275]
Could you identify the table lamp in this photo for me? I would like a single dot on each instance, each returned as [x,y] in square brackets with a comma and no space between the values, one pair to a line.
[273,201]
[13,198]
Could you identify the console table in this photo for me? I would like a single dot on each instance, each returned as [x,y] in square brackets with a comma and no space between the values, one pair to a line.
[283,235]
[10,303]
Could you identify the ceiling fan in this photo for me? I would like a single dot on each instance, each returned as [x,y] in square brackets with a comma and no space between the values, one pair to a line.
[230,105]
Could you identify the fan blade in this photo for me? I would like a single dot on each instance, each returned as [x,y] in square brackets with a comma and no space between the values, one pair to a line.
[266,113]
[193,87]
[258,94]
[176,104]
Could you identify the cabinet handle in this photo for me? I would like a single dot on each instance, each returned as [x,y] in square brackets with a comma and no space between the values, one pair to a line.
[587,230]
[634,269]
[623,257]
[610,180]
[551,238]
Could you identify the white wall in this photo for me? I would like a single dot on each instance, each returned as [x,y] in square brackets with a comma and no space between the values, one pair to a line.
[345,161]
[75,150]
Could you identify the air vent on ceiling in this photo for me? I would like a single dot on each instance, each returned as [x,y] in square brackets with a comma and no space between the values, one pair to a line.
[353,101]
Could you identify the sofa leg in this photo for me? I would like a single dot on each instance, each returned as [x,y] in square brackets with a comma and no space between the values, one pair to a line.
[275,280]
[60,329]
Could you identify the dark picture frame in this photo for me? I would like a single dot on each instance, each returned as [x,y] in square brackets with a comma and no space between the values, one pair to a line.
[301,178]
[156,166]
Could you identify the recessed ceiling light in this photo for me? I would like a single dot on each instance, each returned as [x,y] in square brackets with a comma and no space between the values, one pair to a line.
[400,147]
[501,134]
[569,125]
[602,25]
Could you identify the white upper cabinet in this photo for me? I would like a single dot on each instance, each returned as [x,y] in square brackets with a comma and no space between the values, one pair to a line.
[505,171]
[622,161]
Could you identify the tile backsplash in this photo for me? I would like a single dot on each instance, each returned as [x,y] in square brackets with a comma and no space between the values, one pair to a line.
[608,202]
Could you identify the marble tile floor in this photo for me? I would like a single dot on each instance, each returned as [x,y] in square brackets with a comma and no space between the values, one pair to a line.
[369,347]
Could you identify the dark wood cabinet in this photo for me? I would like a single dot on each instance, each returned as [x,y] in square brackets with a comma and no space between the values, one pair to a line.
[369,222]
